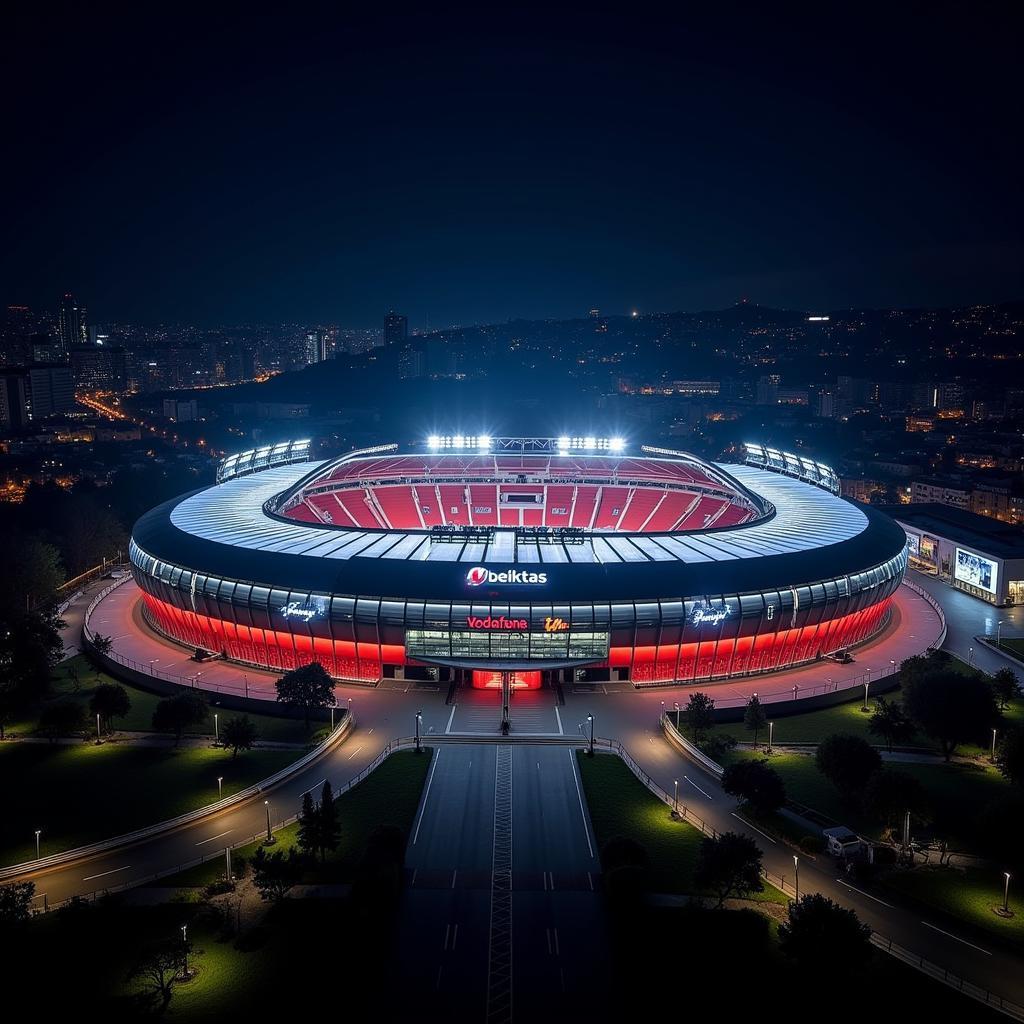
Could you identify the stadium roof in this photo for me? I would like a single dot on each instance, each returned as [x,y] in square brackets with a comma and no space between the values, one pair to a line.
[224,531]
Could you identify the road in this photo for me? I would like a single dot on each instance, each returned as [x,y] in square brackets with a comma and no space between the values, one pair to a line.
[451,943]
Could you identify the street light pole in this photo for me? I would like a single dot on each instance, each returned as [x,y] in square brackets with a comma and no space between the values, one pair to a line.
[590,719]
[184,948]
[993,746]
[970,657]
[675,798]
[866,685]
[771,730]
[1006,893]
[220,787]
[216,728]
[332,718]
[999,632]
[97,729]
[419,716]
[270,836]
[39,832]
[796,866]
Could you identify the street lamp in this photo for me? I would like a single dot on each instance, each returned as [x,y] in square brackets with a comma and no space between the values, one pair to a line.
[39,832]
[993,746]
[866,685]
[1006,893]
[795,689]
[590,719]
[675,798]
[97,729]
[892,662]
[184,947]
[216,728]
[220,787]
[796,867]
[999,633]
[332,718]
[970,657]
[771,730]
[419,718]
[270,836]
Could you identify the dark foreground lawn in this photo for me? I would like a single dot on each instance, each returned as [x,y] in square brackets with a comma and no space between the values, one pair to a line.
[81,793]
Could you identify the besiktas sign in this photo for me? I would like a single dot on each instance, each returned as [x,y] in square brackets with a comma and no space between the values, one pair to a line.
[478,576]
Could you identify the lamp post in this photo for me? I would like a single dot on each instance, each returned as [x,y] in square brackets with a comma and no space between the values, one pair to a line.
[332,718]
[216,727]
[866,685]
[220,787]
[999,633]
[270,835]
[970,657]
[771,731]
[419,717]
[97,730]
[245,677]
[184,949]
[796,868]
[1006,893]
[993,746]
[892,663]
[675,798]
[590,719]
[795,689]
[39,832]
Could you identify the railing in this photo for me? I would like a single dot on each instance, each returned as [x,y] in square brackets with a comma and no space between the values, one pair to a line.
[677,739]
[92,849]
[921,592]
[392,747]
[933,970]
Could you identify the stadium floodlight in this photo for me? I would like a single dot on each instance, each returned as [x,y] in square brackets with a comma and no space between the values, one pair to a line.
[458,441]
[433,441]
[590,442]
[563,444]
[616,444]
[483,441]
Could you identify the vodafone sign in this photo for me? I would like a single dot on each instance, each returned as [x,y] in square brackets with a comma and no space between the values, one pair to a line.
[478,576]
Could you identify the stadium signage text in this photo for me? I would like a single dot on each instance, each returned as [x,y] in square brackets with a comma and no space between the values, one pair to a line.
[478,575]
[495,622]
[298,610]
[708,616]
[555,625]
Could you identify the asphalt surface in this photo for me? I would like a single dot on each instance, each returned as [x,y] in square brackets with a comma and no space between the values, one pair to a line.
[456,835]
[558,935]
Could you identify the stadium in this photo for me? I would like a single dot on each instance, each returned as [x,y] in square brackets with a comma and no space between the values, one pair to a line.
[534,560]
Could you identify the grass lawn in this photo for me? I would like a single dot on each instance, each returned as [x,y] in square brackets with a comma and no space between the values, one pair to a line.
[389,795]
[969,894]
[140,716]
[621,805]
[81,793]
[958,792]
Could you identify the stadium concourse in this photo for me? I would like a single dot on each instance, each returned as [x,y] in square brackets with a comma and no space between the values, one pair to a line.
[913,628]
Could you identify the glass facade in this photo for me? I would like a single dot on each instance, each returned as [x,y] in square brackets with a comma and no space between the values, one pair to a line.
[683,639]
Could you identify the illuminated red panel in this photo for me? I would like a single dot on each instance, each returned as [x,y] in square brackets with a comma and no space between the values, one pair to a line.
[485,680]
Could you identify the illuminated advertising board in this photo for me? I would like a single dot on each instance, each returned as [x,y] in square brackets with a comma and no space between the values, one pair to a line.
[914,543]
[975,571]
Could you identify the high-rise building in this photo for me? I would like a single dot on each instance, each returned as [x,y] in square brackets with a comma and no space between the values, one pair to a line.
[51,391]
[13,400]
[316,347]
[396,329]
[73,329]
[99,367]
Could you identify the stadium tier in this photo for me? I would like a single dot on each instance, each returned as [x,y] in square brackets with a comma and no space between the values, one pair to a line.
[652,568]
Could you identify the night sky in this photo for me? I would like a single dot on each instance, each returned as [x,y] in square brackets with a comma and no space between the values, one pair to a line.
[470,167]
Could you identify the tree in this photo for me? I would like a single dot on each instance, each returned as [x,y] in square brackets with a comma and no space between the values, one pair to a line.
[1010,754]
[891,723]
[308,824]
[951,708]
[175,714]
[754,717]
[32,574]
[757,783]
[109,701]
[274,874]
[820,934]
[329,824]
[101,644]
[699,712]
[159,966]
[1005,687]
[847,762]
[890,793]
[728,866]
[61,718]
[308,686]
[16,902]
[30,647]
[239,733]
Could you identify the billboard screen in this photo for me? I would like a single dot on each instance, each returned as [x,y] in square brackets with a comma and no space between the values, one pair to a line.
[914,541]
[975,570]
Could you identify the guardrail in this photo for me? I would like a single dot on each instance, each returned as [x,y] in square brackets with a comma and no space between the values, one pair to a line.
[391,747]
[129,838]
[921,592]
[932,970]
[685,747]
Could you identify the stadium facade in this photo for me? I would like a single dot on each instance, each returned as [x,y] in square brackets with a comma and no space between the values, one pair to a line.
[565,559]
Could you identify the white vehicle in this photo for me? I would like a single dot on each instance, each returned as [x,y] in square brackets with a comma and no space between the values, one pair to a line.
[841,842]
